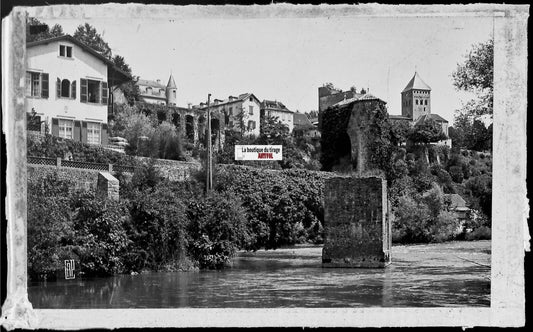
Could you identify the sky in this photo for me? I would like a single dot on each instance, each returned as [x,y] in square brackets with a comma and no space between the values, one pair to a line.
[288,58]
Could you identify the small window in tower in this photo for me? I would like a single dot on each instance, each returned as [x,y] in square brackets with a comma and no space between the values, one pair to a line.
[174,93]
[416,101]
[425,102]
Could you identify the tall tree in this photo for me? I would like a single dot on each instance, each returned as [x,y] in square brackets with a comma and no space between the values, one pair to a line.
[475,75]
[88,35]
[426,133]
[130,89]
[120,63]
[312,114]
[37,30]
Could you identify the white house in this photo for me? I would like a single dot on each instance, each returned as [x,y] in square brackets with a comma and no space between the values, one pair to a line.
[277,110]
[243,110]
[67,85]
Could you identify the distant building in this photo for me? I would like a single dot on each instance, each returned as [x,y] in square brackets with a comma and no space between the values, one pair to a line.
[458,206]
[278,110]
[68,84]
[303,127]
[243,110]
[154,92]
[416,106]
[329,96]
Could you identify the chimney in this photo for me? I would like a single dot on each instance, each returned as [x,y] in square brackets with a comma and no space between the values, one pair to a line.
[232,98]
[189,105]
[158,81]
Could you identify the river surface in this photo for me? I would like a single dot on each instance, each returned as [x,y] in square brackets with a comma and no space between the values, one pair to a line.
[453,274]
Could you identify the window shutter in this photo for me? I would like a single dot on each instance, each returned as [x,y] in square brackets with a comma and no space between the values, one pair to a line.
[73,90]
[104,93]
[28,83]
[55,127]
[58,88]
[77,131]
[103,137]
[84,132]
[83,91]
[44,85]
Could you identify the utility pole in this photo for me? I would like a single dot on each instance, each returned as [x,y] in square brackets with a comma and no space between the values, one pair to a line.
[209,166]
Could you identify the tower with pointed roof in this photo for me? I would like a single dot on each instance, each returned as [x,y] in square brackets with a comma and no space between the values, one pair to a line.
[171,92]
[416,98]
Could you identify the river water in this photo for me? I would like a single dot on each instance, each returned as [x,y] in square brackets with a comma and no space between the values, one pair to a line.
[451,274]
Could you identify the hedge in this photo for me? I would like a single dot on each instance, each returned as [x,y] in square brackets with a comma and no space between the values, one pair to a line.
[49,146]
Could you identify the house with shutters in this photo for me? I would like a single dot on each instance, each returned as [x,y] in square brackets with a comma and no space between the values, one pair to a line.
[67,86]
[240,112]
[277,110]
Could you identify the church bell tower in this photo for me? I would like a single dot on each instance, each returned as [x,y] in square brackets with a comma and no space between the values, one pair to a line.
[416,98]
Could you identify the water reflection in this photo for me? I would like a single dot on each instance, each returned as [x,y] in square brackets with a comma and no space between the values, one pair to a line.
[430,275]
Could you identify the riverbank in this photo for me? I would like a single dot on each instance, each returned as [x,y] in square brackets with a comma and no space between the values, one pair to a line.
[451,274]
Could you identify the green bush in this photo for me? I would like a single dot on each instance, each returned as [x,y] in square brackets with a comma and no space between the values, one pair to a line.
[50,236]
[55,147]
[456,172]
[443,178]
[445,227]
[481,189]
[282,207]
[423,218]
[216,230]
[50,227]
[411,221]
[157,229]
[101,237]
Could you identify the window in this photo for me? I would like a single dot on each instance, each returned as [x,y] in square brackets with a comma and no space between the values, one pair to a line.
[92,91]
[36,84]
[250,110]
[251,125]
[93,133]
[416,101]
[65,88]
[174,93]
[65,51]
[149,90]
[65,128]
[425,102]
[251,99]
[231,111]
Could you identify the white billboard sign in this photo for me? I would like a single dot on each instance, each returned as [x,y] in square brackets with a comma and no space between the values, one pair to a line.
[258,152]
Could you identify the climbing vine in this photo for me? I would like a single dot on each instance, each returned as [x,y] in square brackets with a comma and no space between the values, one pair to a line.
[334,125]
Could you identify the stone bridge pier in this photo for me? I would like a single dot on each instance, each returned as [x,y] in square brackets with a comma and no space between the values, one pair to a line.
[356,223]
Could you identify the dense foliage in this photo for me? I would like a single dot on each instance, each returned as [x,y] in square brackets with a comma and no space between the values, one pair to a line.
[216,230]
[49,146]
[476,74]
[472,127]
[37,30]
[334,140]
[282,207]
[147,135]
[297,152]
